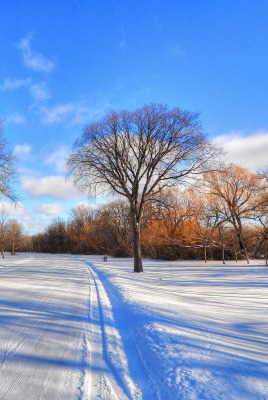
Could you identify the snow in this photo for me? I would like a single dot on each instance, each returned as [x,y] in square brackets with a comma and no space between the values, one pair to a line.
[75,327]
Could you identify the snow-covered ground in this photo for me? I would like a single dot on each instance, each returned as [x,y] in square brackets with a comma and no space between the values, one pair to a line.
[75,327]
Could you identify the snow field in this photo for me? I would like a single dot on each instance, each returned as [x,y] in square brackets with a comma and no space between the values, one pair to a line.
[78,328]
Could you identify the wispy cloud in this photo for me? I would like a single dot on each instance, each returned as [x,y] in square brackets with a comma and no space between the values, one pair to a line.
[32,59]
[12,208]
[50,209]
[16,210]
[53,186]
[74,113]
[57,113]
[39,92]
[34,226]
[13,84]
[250,150]
[22,149]
[58,159]
[16,118]
[27,218]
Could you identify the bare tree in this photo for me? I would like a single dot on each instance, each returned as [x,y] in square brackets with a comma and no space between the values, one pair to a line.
[114,226]
[79,229]
[3,230]
[14,233]
[239,195]
[261,215]
[81,215]
[56,236]
[137,154]
[7,169]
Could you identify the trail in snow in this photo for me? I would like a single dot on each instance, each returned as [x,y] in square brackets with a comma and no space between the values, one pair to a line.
[78,328]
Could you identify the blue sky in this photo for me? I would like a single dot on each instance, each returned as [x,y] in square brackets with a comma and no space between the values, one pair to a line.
[66,63]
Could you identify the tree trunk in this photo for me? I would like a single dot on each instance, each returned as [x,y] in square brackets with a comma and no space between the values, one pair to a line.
[222,245]
[260,242]
[233,237]
[223,253]
[236,259]
[243,247]
[205,252]
[136,244]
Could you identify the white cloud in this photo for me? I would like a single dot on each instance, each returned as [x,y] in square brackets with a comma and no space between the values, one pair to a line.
[13,84]
[46,217]
[58,113]
[58,159]
[12,208]
[27,217]
[33,59]
[39,91]
[16,118]
[250,150]
[54,186]
[34,226]
[15,210]
[74,113]
[48,209]
[22,149]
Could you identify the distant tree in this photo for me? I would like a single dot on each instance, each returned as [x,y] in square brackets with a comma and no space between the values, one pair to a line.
[137,154]
[14,233]
[56,235]
[40,243]
[81,215]
[3,230]
[169,233]
[113,228]
[79,229]
[261,216]
[239,195]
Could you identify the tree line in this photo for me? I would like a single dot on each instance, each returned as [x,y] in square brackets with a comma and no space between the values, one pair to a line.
[225,216]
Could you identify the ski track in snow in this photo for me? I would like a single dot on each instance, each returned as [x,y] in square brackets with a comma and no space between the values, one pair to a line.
[78,328]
